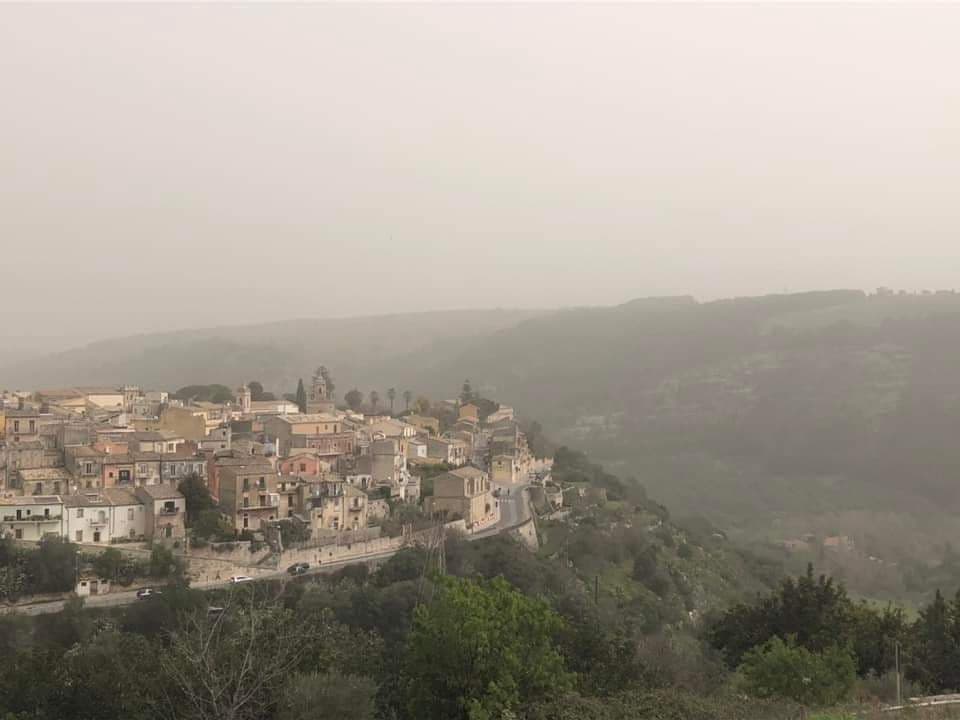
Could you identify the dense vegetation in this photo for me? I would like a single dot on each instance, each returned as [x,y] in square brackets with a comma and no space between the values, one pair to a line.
[621,614]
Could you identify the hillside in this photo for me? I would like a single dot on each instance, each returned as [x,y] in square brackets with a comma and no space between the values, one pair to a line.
[822,413]
[360,351]
[826,413]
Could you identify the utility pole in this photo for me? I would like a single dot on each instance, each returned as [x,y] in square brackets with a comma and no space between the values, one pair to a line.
[596,589]
[896,658]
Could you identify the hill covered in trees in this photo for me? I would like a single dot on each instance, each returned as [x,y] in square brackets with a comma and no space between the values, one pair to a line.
[825,414]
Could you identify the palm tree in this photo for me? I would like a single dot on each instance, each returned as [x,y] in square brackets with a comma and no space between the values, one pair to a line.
[374,399]
[407,397]
[391,396]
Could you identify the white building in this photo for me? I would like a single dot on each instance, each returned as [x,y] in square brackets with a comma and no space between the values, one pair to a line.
[103,516]
[31,517]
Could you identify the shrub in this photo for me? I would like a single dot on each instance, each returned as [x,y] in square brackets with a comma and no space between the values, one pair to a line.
[779,669]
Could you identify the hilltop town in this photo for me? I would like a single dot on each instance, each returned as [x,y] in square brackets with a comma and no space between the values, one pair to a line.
[224,483]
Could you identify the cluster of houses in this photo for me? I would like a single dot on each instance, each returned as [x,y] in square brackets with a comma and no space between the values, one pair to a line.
[103,465]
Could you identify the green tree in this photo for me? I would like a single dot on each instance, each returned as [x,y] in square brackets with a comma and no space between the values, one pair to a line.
[301,396]
[422,405]
[354,399]
[935,647]
[391,396]
[163,563]
[815,611]
[108,564]
[478,650]
[197,496]
[53,567]
[466,393]
[783,669]
[407,398]
[211,525]
[328,696]
[208,393]
[258,393]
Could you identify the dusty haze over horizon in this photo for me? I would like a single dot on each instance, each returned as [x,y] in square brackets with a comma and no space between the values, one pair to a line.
[166,167]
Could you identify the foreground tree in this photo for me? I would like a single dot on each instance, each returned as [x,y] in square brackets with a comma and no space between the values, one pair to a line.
[328,696]
[479,650]
[815,611]
[783,669]
[233,665]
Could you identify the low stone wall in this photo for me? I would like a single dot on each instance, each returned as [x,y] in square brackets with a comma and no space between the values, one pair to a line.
[527,532]
[237,553]
[361,550]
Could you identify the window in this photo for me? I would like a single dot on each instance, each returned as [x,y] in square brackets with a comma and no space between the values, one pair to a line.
[18,534]
[130,515]
[263,500]
[246,502]
[246,483]
[96,536]
[16,426]
[79,536]
[303,467]
[79,513]
[33,426]
[46,512]
[133,533]
[246,521]
[88,468]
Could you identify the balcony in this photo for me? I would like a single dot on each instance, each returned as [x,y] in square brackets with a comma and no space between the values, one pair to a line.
[31,518]
[169,511]
[97,521]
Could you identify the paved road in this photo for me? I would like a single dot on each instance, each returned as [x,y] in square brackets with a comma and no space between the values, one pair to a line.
[514,510]
[128,597]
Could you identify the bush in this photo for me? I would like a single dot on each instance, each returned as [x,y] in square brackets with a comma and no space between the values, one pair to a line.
[779,669]
[163,563]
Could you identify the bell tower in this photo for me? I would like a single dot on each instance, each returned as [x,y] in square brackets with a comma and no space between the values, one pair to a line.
[318,388]
[244,397]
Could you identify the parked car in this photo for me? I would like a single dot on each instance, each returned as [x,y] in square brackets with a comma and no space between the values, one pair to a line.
[240,579]
[298,568]
[144,593]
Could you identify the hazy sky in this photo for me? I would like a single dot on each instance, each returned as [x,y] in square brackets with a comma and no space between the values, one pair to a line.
[177,166]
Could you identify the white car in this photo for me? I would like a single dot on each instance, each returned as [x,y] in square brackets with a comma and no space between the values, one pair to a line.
[240,579]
